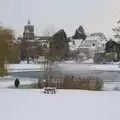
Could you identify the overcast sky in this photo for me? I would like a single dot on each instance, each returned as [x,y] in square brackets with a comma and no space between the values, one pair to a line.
[94,15]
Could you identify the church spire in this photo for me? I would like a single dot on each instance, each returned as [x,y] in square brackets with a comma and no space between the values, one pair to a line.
[28,22]
[28,31]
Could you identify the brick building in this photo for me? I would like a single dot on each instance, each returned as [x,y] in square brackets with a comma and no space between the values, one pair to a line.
[32,46]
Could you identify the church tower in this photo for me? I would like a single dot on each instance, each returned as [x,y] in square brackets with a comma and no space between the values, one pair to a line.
[28,33]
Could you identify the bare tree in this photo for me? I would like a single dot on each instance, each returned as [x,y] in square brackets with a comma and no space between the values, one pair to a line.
[116,30]
[6,37]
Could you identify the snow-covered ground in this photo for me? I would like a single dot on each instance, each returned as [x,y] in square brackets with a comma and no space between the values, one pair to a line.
[65,105]
[89,61]
[24,67]
[86,65]
[113,86]
[93,67]
[8,81]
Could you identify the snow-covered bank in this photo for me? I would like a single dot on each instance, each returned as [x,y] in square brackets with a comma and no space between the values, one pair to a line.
[89,61]
[65,105]
[8,81]
[70,65]
[90,67]
[24,67]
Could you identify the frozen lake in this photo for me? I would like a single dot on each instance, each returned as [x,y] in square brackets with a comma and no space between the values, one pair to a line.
[105,72]
[29,74]
[106,76]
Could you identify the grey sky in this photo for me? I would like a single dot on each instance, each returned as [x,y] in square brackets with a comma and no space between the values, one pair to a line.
[94,15]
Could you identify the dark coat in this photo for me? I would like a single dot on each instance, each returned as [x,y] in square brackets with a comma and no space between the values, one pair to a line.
[17,83]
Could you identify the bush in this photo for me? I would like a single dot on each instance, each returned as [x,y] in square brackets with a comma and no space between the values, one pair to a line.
[86,83]
[70,82]
[99,84]
[99,58]
[3,72]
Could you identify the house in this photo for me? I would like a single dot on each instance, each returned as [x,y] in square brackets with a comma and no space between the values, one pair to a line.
[94,43]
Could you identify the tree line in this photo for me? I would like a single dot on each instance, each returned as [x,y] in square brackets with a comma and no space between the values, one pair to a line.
[10,48]
[112,48]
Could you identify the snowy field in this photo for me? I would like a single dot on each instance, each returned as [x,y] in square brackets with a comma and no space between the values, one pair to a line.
[65,105]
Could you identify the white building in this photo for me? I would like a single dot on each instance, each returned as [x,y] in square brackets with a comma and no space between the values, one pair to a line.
[95,43]
[74,44]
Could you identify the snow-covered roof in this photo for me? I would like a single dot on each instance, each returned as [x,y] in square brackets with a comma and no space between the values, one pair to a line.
[99,41]
[75,44]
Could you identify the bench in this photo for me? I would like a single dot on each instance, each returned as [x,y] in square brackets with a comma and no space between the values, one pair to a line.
[50,90]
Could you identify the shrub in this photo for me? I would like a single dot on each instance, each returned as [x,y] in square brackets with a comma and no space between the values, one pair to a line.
[99,84]
[3,72]
[70,82]
[86,83]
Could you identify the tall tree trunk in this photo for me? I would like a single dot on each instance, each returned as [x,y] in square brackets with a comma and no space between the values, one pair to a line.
[3,70]
[118,55]
[28,60]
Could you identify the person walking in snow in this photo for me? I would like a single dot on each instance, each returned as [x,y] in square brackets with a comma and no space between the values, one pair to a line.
[17,83]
